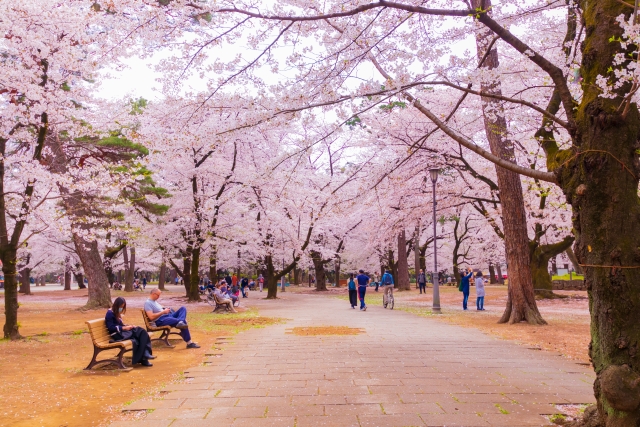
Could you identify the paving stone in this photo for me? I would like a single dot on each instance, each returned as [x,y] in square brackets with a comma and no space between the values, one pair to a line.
[436,375]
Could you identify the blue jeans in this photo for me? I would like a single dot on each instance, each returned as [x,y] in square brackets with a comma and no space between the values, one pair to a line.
[172,319]
[465,299]
[480,303]
[361,291]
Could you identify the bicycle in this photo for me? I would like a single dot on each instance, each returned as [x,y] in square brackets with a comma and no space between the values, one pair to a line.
[388,302]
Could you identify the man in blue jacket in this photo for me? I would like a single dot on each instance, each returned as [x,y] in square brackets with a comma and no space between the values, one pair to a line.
[386,281]
[464,287]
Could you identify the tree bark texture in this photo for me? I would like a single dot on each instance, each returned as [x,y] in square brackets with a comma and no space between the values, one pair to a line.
[599,177]
[574,260]
[521,302]
[193,292]
[128,275]
[540,256]
[403,263]
[162,276]
[67,273]
[213,266]
[492,274]
[416,252]
[99,293]
[336,267]
[10,294]
[393,267]
[25,284]
[499,271]
[318,266]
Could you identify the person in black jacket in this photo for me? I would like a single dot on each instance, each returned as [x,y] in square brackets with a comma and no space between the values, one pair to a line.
[120,332]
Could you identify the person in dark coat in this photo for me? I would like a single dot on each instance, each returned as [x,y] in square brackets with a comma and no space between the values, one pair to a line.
[464,287]
[353,292]
[120,332]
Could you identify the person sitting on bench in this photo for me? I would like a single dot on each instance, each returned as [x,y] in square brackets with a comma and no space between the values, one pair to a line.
[167,317]
[222,299]
[120,332]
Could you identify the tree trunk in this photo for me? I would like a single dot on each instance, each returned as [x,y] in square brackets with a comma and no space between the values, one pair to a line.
[128,274]
[540,256]
[602,187]
[318,266]
[213,267]
[9,261]
[492,274]
[186,273]
[416,252]
[67,273]
[521,302]
[403,263]
[574,261]
[456,273]
[99,293]
[499,271]
[393,267]
[25,284]
[161,277]
[270,278]
[297,274]
[132,266]
[193,292]
[80,280]
[336,267]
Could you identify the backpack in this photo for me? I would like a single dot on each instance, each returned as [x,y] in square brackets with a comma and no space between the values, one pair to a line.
[387,279]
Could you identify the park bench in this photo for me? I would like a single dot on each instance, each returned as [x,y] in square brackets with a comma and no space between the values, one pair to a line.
[165,330]
[102,342]
[220,305]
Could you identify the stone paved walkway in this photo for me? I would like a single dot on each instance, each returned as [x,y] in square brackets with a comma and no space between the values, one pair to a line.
[403,371]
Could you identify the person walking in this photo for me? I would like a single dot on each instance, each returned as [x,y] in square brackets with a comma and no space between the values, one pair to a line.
[480,291]
[353,292]
[144,282]
[422,281]
[363,281]
[261,282]
[464,287]
[244,283]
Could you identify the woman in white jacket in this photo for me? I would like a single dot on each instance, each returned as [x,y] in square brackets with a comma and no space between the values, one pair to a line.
[480,291]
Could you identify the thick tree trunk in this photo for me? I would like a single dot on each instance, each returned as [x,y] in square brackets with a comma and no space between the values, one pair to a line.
[80,280]
[162,276]
[574,261]
[99,293]
[9,261]
[336,267]
[599,177]
[128,274]
[193,292]
[172,276]
[456,273]
[403,263]
[186,273]
[540,256]
[25,283]
[297,274]
[499,272]
[492,274]
[521,302]
[132,266]
[270,278]
[318,266]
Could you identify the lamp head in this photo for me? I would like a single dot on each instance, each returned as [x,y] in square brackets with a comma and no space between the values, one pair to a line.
[434,174]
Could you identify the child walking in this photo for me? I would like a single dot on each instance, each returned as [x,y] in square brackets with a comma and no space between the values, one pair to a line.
[480,291]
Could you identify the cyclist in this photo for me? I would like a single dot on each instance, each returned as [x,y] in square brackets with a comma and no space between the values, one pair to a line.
[386,281]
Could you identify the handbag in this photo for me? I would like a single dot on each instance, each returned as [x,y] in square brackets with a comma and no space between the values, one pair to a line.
[460,286]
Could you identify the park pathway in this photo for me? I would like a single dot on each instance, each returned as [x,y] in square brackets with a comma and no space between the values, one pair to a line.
[403,370]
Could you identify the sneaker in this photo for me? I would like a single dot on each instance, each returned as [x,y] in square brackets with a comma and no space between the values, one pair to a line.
[193,345]
[181,325]
[365,308]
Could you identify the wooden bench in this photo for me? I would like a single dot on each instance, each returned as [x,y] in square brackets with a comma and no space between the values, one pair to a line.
[165,330]
[221,305]
[101,342]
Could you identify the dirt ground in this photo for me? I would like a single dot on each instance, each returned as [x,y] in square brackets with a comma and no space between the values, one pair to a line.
[42,381]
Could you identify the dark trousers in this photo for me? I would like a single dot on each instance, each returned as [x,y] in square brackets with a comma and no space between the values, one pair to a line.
[353,297]
[465,299]
[172,319]
[141,343]
[362,290]
[244,292]
[423,287]
[480,303]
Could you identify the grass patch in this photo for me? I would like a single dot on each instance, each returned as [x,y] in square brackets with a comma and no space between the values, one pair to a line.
[230,322]
[501,409]
[574,276]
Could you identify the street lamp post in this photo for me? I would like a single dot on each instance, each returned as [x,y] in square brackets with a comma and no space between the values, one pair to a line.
[436,276]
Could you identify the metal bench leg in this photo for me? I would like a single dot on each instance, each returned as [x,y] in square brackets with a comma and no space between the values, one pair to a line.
[119,361]
[93,362]
[165,337]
